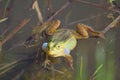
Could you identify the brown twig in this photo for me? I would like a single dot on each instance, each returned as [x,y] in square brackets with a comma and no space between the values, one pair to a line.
[42,27]
[50,10]
[58,71]
[6,5]
[23,23]
[39,14]
[81,1]
[53,72]
[67,17]
[4,19]
[98,6]
[86,19]
[17,77]
[59,10]
[111,25]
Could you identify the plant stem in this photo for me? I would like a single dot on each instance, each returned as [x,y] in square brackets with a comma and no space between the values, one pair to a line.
[23,23]
[98,6]
[59,10]
[111,25]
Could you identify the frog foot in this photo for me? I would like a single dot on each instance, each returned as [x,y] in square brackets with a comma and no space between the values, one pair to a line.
[101,35]
[70,60]
[86,31]
[46,63]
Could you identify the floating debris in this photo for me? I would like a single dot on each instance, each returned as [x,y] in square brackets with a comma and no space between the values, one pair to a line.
[2,20]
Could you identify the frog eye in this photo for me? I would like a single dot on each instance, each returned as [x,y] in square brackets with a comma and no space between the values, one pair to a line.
[58,46]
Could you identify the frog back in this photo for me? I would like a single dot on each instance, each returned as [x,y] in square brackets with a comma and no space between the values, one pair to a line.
[65,37]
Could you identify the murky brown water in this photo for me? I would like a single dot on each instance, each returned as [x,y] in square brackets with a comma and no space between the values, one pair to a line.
[94,52]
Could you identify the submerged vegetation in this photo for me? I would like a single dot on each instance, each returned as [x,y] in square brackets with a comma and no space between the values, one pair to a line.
[25,27]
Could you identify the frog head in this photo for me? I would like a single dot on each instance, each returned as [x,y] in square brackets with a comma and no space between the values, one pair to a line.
[60,44]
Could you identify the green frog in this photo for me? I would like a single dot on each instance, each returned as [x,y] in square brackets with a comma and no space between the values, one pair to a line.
[62,41]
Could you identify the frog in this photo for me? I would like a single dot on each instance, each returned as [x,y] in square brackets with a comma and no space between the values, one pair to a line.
[62,40]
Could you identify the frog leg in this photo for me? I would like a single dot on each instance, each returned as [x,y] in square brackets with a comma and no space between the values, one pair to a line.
[46,26]
[36,33]
[53,25]
[47,61]
[32,41]
[84,32]
[70,60]
[68,57]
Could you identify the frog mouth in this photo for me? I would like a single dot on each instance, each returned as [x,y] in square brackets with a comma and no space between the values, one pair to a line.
[51,54]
